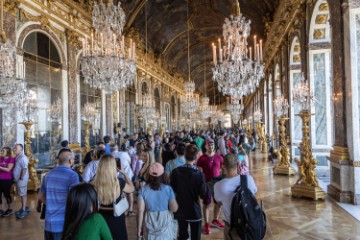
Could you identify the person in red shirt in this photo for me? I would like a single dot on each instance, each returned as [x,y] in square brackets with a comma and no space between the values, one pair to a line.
[210,164]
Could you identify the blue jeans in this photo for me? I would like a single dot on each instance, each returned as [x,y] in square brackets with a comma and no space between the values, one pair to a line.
[52,235]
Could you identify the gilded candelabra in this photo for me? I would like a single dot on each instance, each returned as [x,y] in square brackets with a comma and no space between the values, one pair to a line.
[283,153]
[87,125]
[34,183]
[307,185]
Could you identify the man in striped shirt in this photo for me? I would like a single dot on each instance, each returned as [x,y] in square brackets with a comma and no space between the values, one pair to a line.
[54,189]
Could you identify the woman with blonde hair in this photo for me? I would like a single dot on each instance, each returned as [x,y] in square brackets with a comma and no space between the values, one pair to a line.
[110,188]
[148,158]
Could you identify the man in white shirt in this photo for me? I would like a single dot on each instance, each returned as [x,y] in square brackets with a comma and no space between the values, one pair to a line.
[125,161]
[224,190]
[91,168]
[124,157]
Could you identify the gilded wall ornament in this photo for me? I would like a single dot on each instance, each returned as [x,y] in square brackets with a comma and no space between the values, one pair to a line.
[319,33]
[321,19]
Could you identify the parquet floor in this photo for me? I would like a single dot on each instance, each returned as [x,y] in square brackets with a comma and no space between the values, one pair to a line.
[288,218]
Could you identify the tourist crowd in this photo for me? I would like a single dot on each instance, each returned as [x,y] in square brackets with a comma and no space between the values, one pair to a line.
[165,175]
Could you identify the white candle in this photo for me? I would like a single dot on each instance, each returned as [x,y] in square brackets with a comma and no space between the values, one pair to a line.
[261,55]
[92,43]
[214,54]
[219,44]
[130,55]
[24,70]
[255,47]
[221,55]
[122,44]
[83,47]
[258,53]
[134,53]
[250,51]
[114,43]
[102,42]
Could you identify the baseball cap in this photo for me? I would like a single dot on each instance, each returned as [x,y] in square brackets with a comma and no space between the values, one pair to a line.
[156,170]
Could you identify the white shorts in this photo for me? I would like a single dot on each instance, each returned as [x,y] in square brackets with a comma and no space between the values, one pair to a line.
[21,188]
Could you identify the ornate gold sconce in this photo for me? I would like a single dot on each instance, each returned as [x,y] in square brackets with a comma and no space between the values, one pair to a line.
[34,183]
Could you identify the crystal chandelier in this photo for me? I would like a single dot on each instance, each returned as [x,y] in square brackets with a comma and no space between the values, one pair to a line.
[281,106]
[204,108]
[236,73]
[12,83]
[303,95]
[89,112]
[28,105]
[190,100]
[235,108]
[104,64]
[257,116]
[55,111]
[147,110]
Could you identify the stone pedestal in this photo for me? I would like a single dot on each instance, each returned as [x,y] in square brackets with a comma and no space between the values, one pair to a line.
[340,172]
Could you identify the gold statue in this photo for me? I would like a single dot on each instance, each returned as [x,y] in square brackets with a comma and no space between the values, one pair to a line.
[301,171]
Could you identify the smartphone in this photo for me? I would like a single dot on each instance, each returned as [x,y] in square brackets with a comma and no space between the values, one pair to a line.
[118,163]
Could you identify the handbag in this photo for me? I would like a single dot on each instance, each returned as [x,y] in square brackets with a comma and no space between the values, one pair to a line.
[121,206]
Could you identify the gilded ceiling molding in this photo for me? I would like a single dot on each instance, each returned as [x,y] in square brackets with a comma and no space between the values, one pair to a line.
[285,16]
[61,13]
[12,5]
[73,38]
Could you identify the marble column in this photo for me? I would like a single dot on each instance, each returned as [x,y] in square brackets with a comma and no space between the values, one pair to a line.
[339,187]
[73,91]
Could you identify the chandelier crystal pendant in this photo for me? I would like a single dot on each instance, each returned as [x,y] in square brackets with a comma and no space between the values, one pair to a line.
[107,64]
[236,73]
[303,95]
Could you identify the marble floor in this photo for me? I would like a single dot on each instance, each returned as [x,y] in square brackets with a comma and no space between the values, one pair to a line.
[288,217]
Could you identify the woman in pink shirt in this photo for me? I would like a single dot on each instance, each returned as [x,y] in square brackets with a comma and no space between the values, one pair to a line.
[6,165]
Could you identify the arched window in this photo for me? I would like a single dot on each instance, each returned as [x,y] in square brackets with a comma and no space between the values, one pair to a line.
[320,77]
[354,87]
[277,81]
[44,77]
[144,88]
[90,95]
[266,117]
[130,95]
[157,101]
[271,115]
[295,108]
[173,112]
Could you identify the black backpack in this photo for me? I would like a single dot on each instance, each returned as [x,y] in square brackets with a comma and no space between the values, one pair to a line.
[247,217]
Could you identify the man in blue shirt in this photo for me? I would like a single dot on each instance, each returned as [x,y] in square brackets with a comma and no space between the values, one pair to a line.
[178,161]
[54,189]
